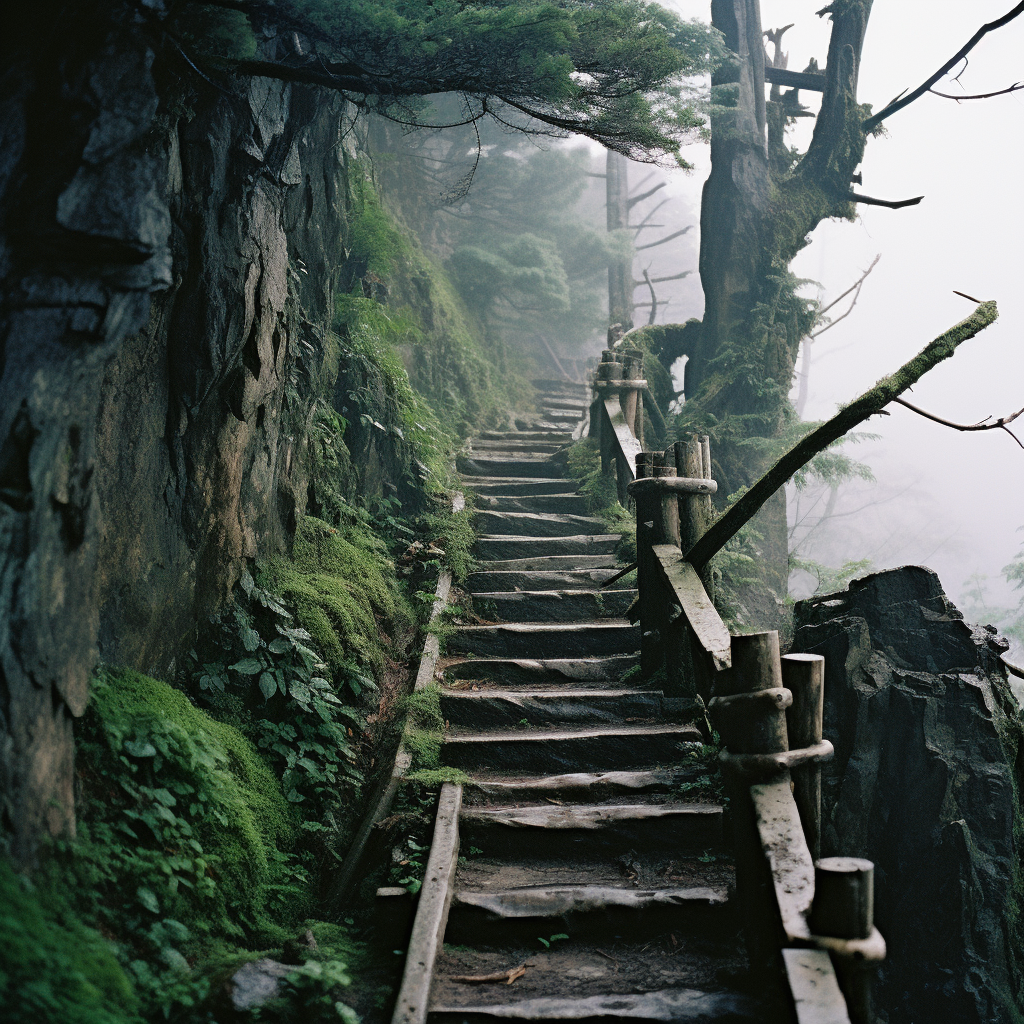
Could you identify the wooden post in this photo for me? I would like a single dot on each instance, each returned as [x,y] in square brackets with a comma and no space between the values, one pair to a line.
[608,371]
[749,707]
[844,907]
[804,676]
[747,714]
[633,369]
[647,512]
[694,509]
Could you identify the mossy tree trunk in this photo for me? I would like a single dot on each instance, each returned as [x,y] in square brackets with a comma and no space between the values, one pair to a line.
[759,204]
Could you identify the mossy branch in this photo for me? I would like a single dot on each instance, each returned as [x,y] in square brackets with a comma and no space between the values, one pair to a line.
[860,409]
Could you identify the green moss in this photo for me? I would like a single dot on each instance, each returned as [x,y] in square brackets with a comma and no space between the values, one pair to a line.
[341,581]
[424,727]
[52,967]
[183,780]
[432,777]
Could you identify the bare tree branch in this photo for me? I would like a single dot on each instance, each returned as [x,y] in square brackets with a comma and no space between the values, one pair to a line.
[900,103]
[868,404]
[633,200]
[654,300]
[855,287]
[999,424]
[892,204]
[650,213]
[667,238]
[1016,87]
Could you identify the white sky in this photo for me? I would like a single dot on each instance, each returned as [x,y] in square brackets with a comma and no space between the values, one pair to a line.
[953,500]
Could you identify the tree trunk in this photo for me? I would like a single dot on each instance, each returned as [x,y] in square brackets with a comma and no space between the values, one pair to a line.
[620,268]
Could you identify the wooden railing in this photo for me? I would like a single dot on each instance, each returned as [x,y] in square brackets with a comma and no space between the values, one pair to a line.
[808,923]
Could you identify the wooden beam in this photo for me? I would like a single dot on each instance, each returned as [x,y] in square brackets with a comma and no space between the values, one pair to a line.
[628,445]
[706,623]
[795,79]
[432,912]
[812,980]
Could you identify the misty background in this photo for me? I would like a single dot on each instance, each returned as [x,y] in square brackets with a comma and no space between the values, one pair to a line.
[953,501]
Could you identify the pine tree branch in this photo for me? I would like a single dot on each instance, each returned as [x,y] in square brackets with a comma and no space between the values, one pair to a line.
[662,241]
[860,409]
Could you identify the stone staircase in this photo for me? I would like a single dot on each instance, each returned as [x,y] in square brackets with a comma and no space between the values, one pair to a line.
[587,875]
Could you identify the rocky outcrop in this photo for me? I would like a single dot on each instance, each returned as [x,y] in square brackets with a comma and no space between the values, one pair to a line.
[169,252]
[926,782]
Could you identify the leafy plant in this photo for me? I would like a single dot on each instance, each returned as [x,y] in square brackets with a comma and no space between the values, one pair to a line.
[551,939]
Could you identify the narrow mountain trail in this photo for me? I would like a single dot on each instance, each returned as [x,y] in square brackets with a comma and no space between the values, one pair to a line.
[590,883]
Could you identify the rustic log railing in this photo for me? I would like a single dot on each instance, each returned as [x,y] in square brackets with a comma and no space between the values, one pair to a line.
[808,922]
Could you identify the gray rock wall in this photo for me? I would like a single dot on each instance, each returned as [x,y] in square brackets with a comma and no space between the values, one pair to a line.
[926,782]
[168,252]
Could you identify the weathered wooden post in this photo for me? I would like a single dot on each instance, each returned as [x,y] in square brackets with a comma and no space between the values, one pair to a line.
[609,370]
[646,571]
[631,400]
[749,712]
[844,909]
[695,509]
[804,676]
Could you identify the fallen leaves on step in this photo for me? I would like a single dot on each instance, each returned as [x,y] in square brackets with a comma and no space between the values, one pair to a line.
[508,976]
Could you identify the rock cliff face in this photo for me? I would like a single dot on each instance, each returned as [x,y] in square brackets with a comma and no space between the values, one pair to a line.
[168,279]
[926,782]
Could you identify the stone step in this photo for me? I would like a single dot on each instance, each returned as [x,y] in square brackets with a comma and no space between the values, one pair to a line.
[561,437]
[553,605]
[491,787]
[552,563]
[542,384]
[535,524]
[545,639]
[574,403]
[560,750]
[512,464]
[678,1005]
[518,486]
[543,423]
[511,444]
[573,504]
[506,548]
[509,709]
[558,415]
[532,672]
[597,909]
[583,834]
[484,581]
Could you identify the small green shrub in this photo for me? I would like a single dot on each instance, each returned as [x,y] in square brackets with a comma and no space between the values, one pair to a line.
[54,969]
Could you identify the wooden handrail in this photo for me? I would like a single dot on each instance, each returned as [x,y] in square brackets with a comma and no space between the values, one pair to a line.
[683,633]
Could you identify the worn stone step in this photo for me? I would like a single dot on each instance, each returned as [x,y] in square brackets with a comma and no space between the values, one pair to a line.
[560,415]
[552,563]
[542,384]
[583,834]
[518,486]
[561,750]
[534,672]
[535,524]
[543,423]
[594,910]
[508,709]
[545,639]
[679,1005]
[544,436]
[511,464]
[573,504]
[580,968]
[491,787]
[512,444]
[485,581]
[575,403]
[505,548]
[553,605]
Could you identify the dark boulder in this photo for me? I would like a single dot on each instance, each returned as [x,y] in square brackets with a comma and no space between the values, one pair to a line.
[926,782]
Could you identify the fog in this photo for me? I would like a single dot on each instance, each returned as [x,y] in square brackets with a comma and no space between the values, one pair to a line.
[951,500]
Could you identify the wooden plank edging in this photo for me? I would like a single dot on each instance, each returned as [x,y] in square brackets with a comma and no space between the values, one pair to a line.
[815,989]
[707,624]
[432,912]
